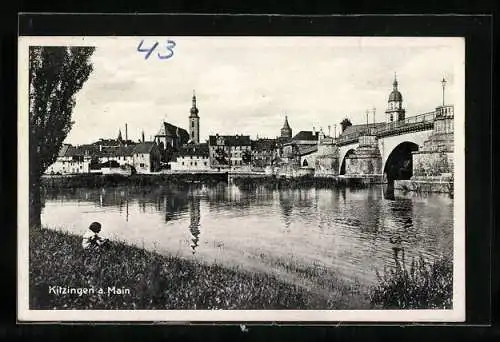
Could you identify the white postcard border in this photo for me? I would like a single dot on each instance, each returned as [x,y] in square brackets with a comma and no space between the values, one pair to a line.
[457,314]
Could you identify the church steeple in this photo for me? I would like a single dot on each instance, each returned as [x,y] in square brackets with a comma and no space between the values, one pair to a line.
[395,83]
[194,109]
[286,131]
[194,122]
[120,135]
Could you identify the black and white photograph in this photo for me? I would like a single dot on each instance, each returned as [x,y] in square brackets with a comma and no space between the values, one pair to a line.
[241,178]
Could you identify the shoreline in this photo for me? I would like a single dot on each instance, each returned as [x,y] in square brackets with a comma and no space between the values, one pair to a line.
[242,181]
[129,277]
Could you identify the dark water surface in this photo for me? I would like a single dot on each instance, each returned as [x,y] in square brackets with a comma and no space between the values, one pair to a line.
[285,232]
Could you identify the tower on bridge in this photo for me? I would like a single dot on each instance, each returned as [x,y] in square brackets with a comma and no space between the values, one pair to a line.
[395,110]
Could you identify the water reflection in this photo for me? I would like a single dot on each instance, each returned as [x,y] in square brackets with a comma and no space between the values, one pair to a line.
[194,226]
[350,232]
[389,190]
[286,206]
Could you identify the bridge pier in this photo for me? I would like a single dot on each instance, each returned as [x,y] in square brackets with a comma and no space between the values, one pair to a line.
[366,161]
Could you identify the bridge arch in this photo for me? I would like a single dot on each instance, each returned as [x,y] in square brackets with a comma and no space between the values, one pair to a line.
[343,164]
[399,163]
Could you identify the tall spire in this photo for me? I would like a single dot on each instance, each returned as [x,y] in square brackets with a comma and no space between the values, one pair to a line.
[142,135]
[194,108]
[395,83]
[286,131]
[120,135]
[286,125]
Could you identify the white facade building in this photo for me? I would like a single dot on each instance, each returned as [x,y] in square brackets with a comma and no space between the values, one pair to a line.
[193,157]
[70,160]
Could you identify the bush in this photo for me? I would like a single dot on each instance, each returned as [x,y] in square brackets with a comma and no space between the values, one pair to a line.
[423,286]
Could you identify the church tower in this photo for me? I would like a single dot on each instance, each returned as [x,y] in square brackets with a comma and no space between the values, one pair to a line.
[194,122]
[395,111]
[286,131]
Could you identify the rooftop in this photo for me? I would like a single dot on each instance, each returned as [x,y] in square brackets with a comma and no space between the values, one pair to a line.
[306,135]
[169,130]
[231,140]
[193,150]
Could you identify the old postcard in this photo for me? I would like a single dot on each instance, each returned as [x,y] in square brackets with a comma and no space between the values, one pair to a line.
[282,179]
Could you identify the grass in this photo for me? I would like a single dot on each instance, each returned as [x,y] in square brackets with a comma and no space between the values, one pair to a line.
[155,281]
[423,286]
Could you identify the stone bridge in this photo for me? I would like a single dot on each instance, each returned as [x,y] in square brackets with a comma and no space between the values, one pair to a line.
[388,150]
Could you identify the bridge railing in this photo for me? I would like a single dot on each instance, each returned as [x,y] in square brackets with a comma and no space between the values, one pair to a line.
[407,122]
[389,127]
[351,137]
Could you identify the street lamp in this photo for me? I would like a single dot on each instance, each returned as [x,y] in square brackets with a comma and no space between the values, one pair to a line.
[443,83]
[373,111]
[367,121]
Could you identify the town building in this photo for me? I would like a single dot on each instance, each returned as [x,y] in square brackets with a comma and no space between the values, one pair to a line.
[230,151]
[170,139]
[146,157]
[264,152]
[70,160]
[306,138]
[123,155]
[104,156]
[192,157]
[301,145]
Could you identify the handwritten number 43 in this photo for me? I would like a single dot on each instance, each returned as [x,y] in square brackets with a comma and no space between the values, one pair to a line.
[166,54]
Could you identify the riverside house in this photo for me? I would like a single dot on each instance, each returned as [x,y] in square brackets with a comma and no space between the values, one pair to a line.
[146,157]
[191,157]
[143,157]
[230,151]
[70,160]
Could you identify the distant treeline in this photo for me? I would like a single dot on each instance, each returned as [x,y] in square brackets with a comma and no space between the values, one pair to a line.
[97,181]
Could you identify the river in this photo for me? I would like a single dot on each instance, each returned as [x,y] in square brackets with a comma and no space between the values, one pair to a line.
[346,232]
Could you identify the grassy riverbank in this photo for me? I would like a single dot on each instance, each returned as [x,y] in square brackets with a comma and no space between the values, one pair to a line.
[166,282]
[158,282]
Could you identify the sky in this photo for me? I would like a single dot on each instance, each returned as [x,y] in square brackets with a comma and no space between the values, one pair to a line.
[246,85]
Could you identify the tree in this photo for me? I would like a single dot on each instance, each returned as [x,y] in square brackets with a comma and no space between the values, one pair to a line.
[221,156]
[345,123]
[246,157]
[56,74]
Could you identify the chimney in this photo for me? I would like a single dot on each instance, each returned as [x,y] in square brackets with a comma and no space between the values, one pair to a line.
[126,132]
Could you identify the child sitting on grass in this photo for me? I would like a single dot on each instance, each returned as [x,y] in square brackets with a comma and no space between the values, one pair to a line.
[91,238]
